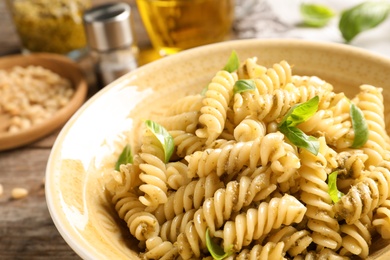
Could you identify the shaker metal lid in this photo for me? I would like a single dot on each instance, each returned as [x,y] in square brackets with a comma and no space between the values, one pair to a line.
[108,26]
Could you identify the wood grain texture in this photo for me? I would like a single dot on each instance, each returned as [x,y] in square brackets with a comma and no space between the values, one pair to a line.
[26,228]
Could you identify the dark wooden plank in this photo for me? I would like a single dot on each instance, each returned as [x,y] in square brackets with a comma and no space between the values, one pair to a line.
[26,228]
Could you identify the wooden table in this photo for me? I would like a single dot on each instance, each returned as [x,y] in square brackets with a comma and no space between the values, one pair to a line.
[26,228]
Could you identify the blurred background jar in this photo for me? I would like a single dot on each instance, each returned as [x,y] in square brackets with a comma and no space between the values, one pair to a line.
[50,25]
[175,25]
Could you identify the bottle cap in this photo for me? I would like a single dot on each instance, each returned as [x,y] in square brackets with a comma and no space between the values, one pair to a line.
[108,26]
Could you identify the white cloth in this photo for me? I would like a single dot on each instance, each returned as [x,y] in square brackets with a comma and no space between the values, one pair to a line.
[282,19]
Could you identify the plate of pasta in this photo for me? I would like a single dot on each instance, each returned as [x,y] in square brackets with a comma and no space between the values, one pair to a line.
[247,149]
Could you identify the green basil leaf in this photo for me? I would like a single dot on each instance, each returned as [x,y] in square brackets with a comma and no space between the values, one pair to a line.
[334,193]
[215,250]
[163,136]
[362,17]
[359,125]
[242,85]
[315,15]
[300,113]
[300,139]
[233,63]
[125,157]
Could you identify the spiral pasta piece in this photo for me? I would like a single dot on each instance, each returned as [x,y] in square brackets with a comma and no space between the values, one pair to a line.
[270,106]
[154,180]
[351,164]
[151,145]
[227,132]
[351,167]
[267,107]
[142,225]
[366,195]
[337,130]
[250,69]
[191,196]
[255,223]
[274,78]
[311,81]
[280,74]
[187,121]
[156,248]
[318,202]
[327,98]
[176,173]
[236,196]
[245,227]
[295,241]
[186,143]
[322,254]
[232,158]
[125,179]
[215,105]
[171,229]
[381,220]
[249,129]
[272,251]
[186,104]
[370,101]
[357,238]
[334,123]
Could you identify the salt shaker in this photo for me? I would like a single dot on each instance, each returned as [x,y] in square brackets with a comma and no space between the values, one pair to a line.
[111,40]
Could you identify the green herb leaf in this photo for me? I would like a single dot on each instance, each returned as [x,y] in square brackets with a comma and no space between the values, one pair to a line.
[359,125]
[215,250]
[300,113]
[300,139]
[163,136]
[233,63]
[242,85]
[334,193]
[362,17]
[296,115]
[315,15]
[125,157]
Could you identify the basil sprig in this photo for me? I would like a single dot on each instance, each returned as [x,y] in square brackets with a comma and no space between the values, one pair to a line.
[125,157]
[333,191]
[243,85]
[362,17]
[163,136]
[315,15]
[359,125]
[233,63]
[300,113]
[215,250]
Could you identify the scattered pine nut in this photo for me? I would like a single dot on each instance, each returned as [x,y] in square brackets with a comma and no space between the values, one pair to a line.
[19,193]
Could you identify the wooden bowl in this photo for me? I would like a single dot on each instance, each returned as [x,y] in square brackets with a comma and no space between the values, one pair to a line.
[58,64]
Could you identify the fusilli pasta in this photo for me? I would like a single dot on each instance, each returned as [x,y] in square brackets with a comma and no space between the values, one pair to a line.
[262,180]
